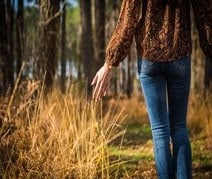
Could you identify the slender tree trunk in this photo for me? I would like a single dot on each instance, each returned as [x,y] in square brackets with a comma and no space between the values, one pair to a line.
[115,79]
[20,35]
[197,83]
[122,79]
[208,76]
[6,44]
[48,51]
[63,49]
[129,78]
[99,33]
[11,44]
[3,46]
[87,43]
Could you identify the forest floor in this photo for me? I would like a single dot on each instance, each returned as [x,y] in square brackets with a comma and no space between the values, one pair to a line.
[136,154]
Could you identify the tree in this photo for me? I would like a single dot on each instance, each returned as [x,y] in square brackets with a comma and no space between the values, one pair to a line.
[87,42]
[3,44]
[129,77]
[114,15]
[197,59]
[99,33]
[63,49]
[6,44]
[208,76]
[48,42]
[10,48]
[20,35]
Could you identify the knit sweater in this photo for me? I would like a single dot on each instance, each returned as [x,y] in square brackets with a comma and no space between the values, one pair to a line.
[162,29]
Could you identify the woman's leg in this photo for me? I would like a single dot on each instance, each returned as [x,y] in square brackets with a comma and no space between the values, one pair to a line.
[154,89]
[178,85]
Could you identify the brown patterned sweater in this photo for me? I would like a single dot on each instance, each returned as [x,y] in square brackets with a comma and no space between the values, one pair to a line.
[162,29]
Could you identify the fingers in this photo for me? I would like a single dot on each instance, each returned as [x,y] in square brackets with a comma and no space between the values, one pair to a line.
[94,80]
[106,88]
[107,85]
[98,89]
[101,91]
[95,91]
[101,82]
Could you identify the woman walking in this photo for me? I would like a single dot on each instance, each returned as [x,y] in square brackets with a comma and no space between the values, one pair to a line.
[162,31]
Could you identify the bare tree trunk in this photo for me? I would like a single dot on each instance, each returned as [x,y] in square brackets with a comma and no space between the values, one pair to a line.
[197,60]
[63,49]
[99,33]
[6,45]
[122,79]
[115,17]
[48,46]
[129,78]
[11,43]
[3,46]
[208,76]
[20,35]
[87,42]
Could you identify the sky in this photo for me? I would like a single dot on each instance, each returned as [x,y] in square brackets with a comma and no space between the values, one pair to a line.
[72,2]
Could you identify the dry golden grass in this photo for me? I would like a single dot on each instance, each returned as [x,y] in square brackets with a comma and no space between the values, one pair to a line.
[57,136]
[66,136]
[200,117]
[134,109]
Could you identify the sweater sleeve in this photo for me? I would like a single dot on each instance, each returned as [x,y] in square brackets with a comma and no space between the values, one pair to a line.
[203,15]
[122,37]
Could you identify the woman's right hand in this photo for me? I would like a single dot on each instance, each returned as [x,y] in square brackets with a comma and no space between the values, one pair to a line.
[102,81]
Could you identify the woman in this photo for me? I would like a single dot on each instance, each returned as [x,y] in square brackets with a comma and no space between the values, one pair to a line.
[163,38]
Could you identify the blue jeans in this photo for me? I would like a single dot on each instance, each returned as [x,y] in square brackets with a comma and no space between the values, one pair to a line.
[166,86]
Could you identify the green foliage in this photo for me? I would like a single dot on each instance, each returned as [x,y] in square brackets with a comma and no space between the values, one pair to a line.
[73,16]
[73,33]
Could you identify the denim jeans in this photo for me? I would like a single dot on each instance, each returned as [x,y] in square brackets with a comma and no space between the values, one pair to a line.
[166,86]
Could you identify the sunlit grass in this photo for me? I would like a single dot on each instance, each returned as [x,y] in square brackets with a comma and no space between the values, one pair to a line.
[67,136]
[56,136]
[200,117]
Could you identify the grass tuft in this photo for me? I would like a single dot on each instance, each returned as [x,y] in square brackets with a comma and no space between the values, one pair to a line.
[56,136]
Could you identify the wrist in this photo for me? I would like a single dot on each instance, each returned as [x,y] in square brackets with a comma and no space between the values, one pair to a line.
[108,66]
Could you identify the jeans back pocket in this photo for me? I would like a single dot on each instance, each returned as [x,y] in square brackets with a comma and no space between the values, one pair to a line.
[180,68]
[148,68]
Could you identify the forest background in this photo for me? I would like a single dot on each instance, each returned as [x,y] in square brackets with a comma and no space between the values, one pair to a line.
[49,52]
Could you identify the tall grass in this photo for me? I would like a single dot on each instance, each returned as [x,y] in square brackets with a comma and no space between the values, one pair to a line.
[56,136]
[200,117]
[66,136]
